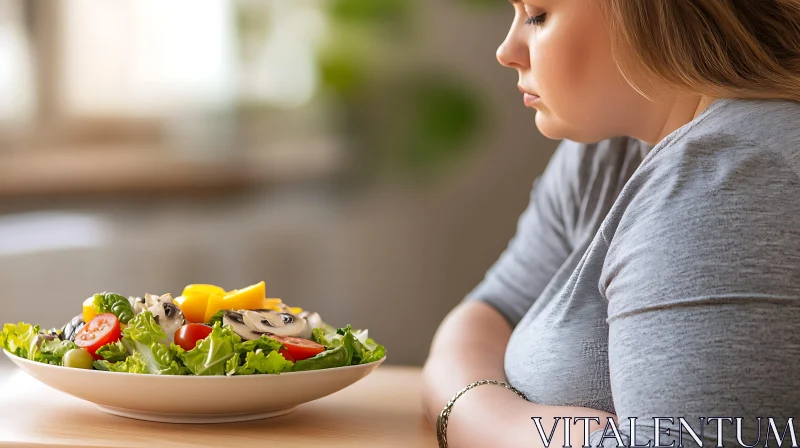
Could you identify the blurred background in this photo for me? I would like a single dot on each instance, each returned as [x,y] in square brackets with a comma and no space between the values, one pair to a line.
[368,159]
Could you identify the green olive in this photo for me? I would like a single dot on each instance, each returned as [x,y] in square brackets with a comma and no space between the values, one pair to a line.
[78,358]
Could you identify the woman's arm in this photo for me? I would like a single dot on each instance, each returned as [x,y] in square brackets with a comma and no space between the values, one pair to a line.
[702,278]
[469,346]
[492,416]
[471,342]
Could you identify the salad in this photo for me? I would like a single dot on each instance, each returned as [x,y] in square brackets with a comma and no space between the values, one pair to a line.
[205,331]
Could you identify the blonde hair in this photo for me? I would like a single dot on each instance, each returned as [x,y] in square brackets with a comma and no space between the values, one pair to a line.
[720,48]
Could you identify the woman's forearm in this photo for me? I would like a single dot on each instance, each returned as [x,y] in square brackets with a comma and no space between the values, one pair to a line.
[469,345]
[491,416]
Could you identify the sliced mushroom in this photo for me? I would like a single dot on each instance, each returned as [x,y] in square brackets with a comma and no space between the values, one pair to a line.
[148,301]
[314,320]
[153,299]
[274,322]
[138,304]
[169,317]
[236,321]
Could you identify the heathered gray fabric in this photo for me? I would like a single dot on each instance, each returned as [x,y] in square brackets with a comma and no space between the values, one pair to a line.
[663,282]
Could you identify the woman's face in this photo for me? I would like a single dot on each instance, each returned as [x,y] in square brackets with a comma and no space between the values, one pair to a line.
[562,52]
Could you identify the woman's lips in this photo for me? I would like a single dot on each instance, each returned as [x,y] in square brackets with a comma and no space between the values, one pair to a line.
[530,100]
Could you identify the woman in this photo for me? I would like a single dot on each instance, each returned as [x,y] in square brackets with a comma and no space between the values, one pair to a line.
[655,274]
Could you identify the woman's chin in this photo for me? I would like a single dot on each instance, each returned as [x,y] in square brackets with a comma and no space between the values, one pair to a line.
[551,128]
[558,130]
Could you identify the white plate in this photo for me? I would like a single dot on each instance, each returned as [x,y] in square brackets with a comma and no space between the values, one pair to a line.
[195,399]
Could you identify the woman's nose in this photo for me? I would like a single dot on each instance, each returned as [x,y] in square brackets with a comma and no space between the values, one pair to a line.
[513,52]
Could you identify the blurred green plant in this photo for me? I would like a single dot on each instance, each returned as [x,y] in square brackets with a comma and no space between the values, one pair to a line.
[446,116]
[368,10]
[405,115]
[401,113]
[433,118]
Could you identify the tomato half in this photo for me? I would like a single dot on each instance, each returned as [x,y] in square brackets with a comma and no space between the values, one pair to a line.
[102,330]
[286,355]
[299,348]
[188,335]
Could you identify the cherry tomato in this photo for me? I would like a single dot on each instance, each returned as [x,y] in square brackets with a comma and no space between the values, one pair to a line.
[299,348]
[188,335]
[102,330]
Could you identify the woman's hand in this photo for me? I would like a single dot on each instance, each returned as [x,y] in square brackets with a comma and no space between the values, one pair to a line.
[469,345]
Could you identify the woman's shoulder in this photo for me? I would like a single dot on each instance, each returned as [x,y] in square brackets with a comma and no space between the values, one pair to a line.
[741,134]
[714,211]
[746,149]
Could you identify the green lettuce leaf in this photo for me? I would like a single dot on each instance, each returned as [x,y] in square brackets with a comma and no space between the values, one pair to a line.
[21,340]
[232,364]
[265,343]
[211,355]
[114,352]
[115,304]
[352,344]
[179,351]
[273,363]
[133,364]
[217,317]
[144,329]
[360,348]
[323,337]
[145,337]
[370,351]
[160,359]
[377,353]
[52,352]
[336,357]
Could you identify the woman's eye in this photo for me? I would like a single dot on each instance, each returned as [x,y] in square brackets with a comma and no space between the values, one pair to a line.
[536,20]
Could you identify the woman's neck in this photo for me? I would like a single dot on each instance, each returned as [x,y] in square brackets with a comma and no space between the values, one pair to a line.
[676,113]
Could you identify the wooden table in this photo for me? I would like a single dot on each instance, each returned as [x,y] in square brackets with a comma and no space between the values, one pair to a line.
[382,410]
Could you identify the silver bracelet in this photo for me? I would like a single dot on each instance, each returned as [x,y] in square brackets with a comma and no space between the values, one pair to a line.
[441,421]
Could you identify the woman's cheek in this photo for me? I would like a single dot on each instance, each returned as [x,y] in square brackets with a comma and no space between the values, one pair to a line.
[574,75]
[567,101]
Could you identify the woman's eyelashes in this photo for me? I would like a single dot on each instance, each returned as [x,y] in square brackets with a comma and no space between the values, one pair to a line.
[536,20]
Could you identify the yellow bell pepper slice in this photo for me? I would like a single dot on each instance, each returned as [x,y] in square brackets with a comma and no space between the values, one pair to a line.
[270,304]
[205,290]
[215,303]
[194,301]
[88,310]
[193,307]
[250,298]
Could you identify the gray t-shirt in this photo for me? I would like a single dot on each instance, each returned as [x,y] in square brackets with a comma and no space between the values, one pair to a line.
[663,282]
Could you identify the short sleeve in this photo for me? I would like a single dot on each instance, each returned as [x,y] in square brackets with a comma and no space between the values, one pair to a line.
[702,278]
[538,248]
